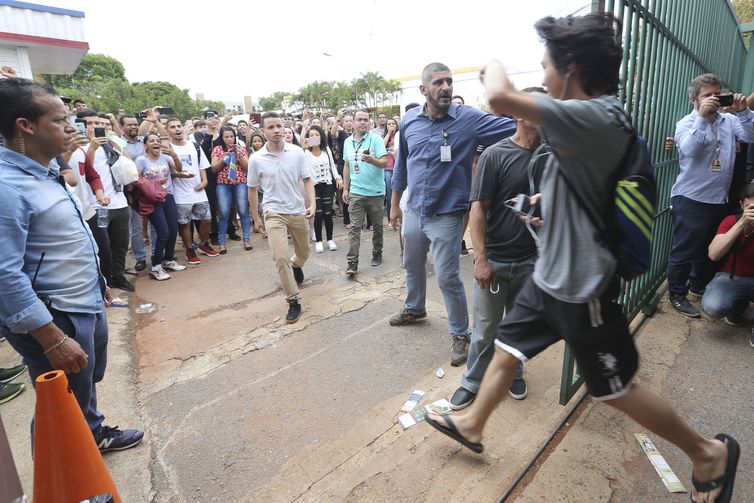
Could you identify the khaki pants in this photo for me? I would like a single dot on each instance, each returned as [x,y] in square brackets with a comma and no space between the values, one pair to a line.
[278,227]
[358,208]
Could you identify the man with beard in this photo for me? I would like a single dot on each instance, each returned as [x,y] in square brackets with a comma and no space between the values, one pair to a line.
[437,145]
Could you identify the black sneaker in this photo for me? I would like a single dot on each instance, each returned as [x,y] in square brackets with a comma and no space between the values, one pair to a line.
[464,250]
[734,319]
[681,304]
[112,439]
[461,399]
[351,270]
[405,317]
[140,265]
[518,389]
[294,311]
[298,274]
[234,236]
[122,284]
[459,351]
[7,375]
[376,259]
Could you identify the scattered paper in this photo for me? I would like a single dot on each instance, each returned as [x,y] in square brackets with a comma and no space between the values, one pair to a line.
[440,373]
[666,473]
[441,406]
[412,401]
[146,308]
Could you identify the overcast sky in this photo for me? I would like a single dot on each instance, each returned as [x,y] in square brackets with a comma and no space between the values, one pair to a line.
[229,49]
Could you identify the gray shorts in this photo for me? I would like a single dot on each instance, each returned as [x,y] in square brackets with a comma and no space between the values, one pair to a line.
[196,211]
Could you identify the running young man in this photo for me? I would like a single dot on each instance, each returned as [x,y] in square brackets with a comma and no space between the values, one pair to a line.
[571,294]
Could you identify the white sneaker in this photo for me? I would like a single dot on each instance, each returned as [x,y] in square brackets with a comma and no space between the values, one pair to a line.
[173,265]
[318,247]
[331,245]
[312,235]
[159,273]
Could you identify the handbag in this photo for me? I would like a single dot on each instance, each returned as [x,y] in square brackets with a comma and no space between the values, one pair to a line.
[150,189]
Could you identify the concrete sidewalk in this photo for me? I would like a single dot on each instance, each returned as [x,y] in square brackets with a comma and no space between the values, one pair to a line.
[239,406]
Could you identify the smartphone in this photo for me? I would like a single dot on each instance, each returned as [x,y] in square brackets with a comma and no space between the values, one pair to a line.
[211,114]
[165,141]
[726,100]
[80,127]
[165,110]
[141,115]
[256,118]
[99,132]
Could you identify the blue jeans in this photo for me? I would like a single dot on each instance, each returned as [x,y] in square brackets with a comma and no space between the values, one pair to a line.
[90,331]
[694,226]
[489,309]
[443,233]
[137,238]
[164,219]
[728,297]
[388,191]
[226,194]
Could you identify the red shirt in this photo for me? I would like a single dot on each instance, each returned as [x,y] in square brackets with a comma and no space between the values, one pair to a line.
[223,176]
[745,252]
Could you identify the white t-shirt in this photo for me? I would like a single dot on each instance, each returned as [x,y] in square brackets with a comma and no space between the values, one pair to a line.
[183,188]
[82,190]
[279,176]
[117,199]
[323,169]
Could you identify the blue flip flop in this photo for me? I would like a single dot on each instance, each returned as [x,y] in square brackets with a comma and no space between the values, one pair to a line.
[726,479]
[451,431]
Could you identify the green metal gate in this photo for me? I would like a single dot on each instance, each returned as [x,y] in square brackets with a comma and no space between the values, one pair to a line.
[666,43]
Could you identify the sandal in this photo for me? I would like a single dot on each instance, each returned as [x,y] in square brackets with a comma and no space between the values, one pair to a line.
[726,479]
[222,250]
[451,431]
[247,246]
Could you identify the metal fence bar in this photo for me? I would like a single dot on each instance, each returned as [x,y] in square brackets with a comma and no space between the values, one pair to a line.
[666,43]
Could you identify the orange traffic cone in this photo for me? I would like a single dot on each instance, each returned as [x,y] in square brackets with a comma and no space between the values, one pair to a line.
[68,466]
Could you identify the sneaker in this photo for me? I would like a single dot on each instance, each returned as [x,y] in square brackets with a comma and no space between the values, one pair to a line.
[459,351]
[518,389]
[298,275]
[207,250]
[461,399]
[318,247]
[312,236]
[405,317]
[10,391]
[191,257]
[331,245]
[734,319]
[681,304]
[696,295]
[751,339]
[351,270]
[294,312]
[376,259]
[122,284]
[140,265]
[159,273]
[234,236]
[7,375]
[112,439]
[464,250]
[172,265]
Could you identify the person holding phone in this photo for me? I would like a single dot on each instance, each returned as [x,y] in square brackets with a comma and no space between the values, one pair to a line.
[326,181]
[230,162]
[161,163]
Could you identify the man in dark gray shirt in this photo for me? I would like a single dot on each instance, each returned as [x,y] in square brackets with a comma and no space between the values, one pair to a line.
[504,248]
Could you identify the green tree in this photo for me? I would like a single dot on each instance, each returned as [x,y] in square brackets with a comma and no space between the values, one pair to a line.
[273,102]
[744,10]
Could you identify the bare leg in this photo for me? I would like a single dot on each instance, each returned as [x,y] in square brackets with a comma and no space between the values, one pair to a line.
[186,235]
[204,229]
[709,456]
[494,388]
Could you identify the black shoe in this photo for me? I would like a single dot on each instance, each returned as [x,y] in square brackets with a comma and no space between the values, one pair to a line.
[696,294]
[298,274]
[234,236]
[376,259]
[464,250]
[461,399]
[140,265]
[351,270]
[122,284]
[405,317]
[518,389]
[294,311]
[681,304]
[734,319]
[113,439]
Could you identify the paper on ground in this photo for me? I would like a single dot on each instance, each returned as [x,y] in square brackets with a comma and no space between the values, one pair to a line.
[666,473]
[440,406]
[412,401]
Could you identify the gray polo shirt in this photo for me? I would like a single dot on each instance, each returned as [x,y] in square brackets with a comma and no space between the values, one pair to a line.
[280,176]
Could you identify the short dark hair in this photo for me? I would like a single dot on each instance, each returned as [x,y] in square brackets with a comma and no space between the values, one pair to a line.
[209,111]
[79,101]
[240,121]
[173,119]
[199,123]
[534,89]
[747,192]
[17,99]
[122,119]
[269,115]
[458,96]
[593,42]
[87,112]
[432,68]
[410,106]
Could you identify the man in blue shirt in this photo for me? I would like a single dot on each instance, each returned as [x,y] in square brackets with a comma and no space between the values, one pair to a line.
[706,141]
[53,294]
[437,145]
[365,159]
